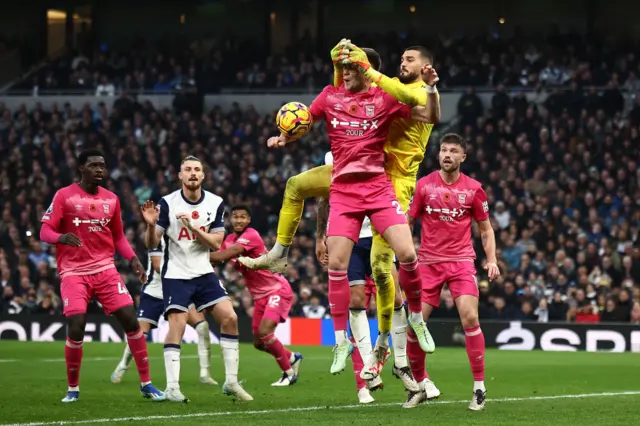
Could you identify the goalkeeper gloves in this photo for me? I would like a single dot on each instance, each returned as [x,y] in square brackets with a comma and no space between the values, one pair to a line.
[357,57]
[340,51]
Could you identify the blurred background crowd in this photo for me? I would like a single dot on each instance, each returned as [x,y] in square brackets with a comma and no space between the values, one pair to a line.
[552,121]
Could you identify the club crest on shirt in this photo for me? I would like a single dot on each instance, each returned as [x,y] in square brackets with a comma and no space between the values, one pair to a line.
[462,198]
[105,208]
[370,110]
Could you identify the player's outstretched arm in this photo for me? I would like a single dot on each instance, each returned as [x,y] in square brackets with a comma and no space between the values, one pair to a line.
[393,87]
[430,77]
[488,238]
[226,254]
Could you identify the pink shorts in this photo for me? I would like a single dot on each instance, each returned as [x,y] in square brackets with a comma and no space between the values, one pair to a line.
[459,276]
[369,292]
[107,287]
[275,307]
[352,201]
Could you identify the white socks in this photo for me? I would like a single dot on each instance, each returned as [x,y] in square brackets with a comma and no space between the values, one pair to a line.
[204,347]
[415,317]
[361,332]
[126,358]
[341,337]
[279,250]
[172,365]
[399,339]
[383,340]
[230,356]
[479,384]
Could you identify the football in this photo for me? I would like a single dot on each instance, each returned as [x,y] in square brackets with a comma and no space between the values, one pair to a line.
[294,119]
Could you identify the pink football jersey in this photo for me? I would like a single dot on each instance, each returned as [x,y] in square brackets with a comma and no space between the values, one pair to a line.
[95,219]
[260,283]
[446,212]
[358,124]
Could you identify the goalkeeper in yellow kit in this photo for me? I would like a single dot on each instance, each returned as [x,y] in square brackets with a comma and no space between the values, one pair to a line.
[404,151]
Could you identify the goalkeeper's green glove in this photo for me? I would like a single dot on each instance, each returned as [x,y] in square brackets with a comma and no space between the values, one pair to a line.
[338,54]
[357,57]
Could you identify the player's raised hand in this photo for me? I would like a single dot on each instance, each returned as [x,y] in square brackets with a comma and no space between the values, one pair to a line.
[139,270]
[150,212]
[429,75]
[185,218]
[277,141]
[340,51]
[356,57]
[492,270]
[70,239]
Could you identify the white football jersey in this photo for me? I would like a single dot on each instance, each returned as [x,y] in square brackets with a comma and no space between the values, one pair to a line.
[184,256]
[365,231]
[154,283]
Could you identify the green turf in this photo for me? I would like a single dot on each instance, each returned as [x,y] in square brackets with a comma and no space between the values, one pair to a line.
[32,382]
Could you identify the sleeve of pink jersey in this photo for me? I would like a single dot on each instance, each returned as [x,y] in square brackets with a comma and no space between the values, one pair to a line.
[480,206]
[415,207]
[249,240]
[396,108]
[317,107]
[54,214]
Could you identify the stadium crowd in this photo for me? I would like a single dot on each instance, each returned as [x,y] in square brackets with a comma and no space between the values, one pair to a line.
[562,180]
[487,59]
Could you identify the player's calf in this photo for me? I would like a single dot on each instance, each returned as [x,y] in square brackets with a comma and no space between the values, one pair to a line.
[273,346]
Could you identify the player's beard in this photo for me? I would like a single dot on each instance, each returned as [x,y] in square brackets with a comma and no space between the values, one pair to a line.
[407,77]
[449,168]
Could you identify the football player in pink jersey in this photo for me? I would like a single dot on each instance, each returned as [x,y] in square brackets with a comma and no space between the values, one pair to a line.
[447,201]
[358,117]
[84,222]
[271,293]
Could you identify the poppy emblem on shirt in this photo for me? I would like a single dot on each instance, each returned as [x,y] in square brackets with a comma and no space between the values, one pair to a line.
[370,110]
[462,198]
[353,109]
[92,208]
[447,196]
[195,215]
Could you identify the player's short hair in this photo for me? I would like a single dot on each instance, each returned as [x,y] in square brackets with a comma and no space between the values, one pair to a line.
[241,207]
[374,58]
[191,158]
[456,139]
[90,152]
[424,52]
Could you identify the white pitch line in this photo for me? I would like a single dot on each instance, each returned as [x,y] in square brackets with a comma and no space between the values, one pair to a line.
[312,408]
[98,358]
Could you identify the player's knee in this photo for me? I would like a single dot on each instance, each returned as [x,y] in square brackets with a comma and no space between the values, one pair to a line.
[358,298]
[406,254]
[265,329]
[469,318]
[338,264]
[257,343]
[76,324]
[291,189]
[229,321]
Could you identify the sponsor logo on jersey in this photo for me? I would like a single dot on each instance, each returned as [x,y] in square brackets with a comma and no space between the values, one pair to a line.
[485,206]
[243,241]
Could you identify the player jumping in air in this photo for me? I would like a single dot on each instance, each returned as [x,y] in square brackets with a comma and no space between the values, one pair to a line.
[446,201]
[404,149]
[151,309]
[358,118]
[84,222]
[191,222]
[271,292]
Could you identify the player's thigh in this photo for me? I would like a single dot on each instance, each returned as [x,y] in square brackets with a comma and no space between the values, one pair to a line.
[209,292]
[110,290]
[463,286]
[314,182]
[194,317]
[177,294]
[224,314]
[433,279]
[259,306]
[401,241]
[150,310]
[358,296]
[76,294]
[276,311]
[339,248]
[404,189]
